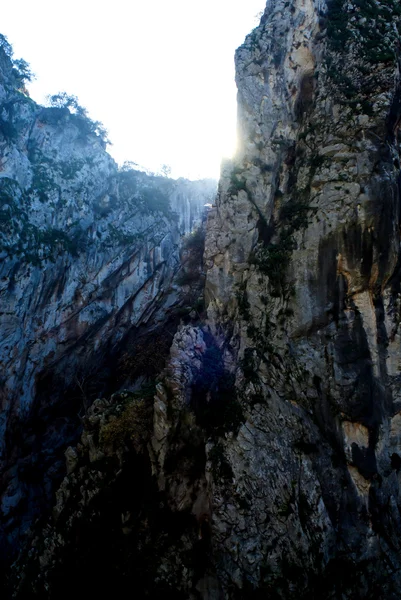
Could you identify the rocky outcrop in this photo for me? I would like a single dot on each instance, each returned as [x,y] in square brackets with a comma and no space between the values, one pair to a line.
[136,497]
[89,260]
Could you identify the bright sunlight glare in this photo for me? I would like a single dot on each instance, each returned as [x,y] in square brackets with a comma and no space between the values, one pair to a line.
[159,75]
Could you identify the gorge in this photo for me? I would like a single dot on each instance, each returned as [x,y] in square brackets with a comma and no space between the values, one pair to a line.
[208,405]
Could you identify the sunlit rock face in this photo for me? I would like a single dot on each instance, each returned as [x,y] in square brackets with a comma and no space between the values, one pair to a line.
[303,285]
[265,461]
[88,260]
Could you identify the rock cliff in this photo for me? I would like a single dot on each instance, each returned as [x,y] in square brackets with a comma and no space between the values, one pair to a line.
[303,289]
[89,257]
[264,459]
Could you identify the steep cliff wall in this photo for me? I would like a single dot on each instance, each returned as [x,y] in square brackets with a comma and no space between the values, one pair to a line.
[266,462]
[88,260]
[303,283]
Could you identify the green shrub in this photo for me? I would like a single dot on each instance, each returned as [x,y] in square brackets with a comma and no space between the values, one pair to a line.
[237,181]
[21,71]
[195,241]
[244,307]
[71,168]
[199,304]
[274,260]
[128,179]
[295,214]
[248,366]
[131,426]
[54,238]
[121,238]
[155,200]
[187,277]
[79,115]
[42,182]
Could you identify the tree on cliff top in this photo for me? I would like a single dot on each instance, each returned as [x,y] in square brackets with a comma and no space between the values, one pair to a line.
[64,100]
[20,68]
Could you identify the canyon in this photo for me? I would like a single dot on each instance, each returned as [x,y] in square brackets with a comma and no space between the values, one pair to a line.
[205,401]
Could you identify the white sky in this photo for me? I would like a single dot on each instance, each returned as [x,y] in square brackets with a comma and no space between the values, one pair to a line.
[158,74]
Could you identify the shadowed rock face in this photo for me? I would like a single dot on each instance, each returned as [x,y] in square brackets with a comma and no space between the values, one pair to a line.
[267,459]
[88,260]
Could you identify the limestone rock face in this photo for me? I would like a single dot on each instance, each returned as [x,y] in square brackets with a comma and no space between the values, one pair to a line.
[88,260]
[303,286]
